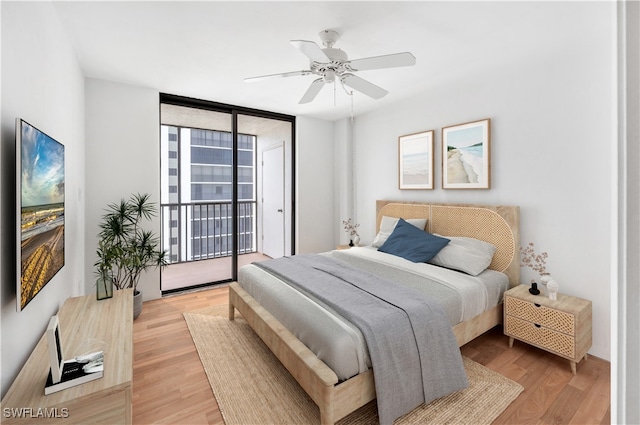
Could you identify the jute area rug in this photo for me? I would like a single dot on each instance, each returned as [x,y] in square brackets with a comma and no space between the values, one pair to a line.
[252,387]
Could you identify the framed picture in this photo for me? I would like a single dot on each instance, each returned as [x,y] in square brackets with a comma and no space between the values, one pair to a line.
[465,155]
[415,161]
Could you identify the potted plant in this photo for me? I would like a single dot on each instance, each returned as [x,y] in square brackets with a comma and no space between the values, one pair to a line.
[126,250]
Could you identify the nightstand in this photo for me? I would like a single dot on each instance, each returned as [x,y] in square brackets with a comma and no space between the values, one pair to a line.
[562,327]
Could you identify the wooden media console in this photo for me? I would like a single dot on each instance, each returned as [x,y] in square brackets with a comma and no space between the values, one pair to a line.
[83,321]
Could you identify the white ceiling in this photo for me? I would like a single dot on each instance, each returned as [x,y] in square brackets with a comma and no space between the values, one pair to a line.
[205,49]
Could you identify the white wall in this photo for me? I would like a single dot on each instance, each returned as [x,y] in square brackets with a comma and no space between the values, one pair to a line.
[343,184]
[42,84]
[551,154]
[122,158]
[315,222]
[625,370]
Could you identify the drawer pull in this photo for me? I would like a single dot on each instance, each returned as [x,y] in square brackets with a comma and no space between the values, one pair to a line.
[537,305]
[537,325]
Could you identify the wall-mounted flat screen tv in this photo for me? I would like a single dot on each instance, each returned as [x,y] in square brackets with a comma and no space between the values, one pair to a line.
[40,197]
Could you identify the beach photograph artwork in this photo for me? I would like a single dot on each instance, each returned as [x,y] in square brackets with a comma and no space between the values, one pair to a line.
[466,156]
[415,157]
[42,211]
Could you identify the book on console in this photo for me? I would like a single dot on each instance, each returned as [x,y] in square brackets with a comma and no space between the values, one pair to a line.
[72,374]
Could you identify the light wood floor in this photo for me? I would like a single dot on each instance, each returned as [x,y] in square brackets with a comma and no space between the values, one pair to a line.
[170,386]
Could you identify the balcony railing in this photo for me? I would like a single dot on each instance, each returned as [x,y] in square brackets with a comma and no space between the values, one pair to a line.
[202,230]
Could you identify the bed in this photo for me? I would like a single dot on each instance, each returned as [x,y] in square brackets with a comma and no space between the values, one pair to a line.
[337,394]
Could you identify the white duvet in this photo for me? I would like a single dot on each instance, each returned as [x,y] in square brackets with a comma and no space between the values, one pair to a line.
[472,290]
[335,340]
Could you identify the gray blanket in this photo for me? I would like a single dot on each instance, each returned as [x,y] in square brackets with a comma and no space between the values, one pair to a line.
[413,351]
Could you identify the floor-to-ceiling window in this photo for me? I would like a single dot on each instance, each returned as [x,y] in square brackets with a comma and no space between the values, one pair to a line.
[211,195]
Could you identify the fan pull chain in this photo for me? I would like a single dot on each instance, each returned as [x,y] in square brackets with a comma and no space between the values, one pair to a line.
[349,93]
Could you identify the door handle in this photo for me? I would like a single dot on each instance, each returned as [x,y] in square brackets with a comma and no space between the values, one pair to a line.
[280,210]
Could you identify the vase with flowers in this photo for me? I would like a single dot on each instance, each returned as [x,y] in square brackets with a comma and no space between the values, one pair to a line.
[538,263]
[351,228]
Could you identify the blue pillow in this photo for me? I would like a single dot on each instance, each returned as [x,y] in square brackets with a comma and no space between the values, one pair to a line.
[413,244]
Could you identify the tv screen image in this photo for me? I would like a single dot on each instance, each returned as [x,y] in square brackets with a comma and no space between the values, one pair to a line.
[40,169]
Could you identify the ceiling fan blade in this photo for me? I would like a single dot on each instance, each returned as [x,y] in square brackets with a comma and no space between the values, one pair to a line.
[311,50]
[312,91]
[384,61]
[284,74]
[363,86]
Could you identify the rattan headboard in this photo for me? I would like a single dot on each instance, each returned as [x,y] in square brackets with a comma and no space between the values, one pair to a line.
[498,225]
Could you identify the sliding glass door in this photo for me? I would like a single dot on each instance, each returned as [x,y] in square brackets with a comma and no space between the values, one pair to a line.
[211,189]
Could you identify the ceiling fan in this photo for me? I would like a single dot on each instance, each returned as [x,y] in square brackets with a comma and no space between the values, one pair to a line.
[332,65]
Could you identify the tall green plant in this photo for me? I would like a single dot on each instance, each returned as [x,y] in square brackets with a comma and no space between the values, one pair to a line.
[125,249]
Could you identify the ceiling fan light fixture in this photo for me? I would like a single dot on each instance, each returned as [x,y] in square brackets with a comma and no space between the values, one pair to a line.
[329,76]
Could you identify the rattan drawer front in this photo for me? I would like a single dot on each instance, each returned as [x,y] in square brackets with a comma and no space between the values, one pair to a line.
[545,316]
[543,337]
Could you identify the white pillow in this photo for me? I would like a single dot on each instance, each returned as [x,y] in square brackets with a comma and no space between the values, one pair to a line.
[389,223]
[468,255]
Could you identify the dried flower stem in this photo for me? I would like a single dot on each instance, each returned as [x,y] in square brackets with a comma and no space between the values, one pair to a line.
[350,227]
[537,262]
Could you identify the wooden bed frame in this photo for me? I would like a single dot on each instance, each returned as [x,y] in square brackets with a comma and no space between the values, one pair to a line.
[497,225]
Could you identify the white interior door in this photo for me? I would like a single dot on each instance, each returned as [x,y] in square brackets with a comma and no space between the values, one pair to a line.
[273,209]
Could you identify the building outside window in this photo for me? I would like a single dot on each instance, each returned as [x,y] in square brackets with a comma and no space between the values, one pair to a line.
[200,163]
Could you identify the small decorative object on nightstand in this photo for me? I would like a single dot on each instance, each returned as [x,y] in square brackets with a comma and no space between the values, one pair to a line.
[562,327]
[538,262]
[552,289]
[350,227]
[534,289]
